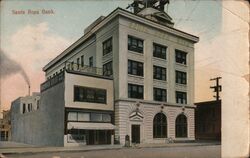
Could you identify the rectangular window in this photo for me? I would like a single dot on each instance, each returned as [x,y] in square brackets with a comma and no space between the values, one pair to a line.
[29,107]
[159,51]
[107,46]
[180,77]
[181,97]
[82,61]
[135,91]
[24,108]
[93,95]
[38,104]
[108,69]
[135,44]
[160,94]
[83,116]
[180,57]
[96,117]
[72,65]
[160,73]
[78,63]
[91,64]
[72,116]
[135,68]
[88,117]
[106,117]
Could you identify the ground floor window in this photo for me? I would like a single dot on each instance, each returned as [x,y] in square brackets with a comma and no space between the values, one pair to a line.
[160,126]
[181,126]
[90,137]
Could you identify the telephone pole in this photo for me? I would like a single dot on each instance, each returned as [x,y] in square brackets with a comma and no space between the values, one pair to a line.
[217,88]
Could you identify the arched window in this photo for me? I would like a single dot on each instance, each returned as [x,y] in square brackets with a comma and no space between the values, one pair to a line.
[181,126]
[160,126]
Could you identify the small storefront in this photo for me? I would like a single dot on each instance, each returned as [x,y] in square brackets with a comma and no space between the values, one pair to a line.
[80,133]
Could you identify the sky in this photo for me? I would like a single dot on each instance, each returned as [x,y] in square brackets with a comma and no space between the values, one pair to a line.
[33,40]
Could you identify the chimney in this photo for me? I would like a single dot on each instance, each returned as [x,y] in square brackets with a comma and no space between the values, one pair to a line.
[29,90]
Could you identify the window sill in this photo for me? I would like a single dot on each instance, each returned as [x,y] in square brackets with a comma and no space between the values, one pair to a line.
[107,55]
[179,64]
[162,81]
[159,59]
[136,53]
[160,102]
[135,76]
[181,85]
[181,104]
[161,138]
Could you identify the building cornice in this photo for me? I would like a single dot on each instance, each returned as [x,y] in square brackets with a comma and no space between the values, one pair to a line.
[155,103]
[107,19]
[89,74]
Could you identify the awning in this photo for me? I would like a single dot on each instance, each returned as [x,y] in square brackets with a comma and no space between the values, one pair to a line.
[94,126]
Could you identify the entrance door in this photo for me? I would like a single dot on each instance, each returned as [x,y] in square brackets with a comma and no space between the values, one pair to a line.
[135,133]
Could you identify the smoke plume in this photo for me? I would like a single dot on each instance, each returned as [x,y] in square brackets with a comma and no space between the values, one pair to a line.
[9,67]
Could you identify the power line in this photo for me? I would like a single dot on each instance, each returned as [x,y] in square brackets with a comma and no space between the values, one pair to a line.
[191,12]
[235,14]
[217,88]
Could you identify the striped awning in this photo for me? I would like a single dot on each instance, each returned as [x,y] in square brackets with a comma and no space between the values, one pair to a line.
[93,126]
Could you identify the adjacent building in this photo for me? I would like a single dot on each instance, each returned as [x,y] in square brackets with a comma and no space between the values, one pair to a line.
[130,75]
[208,120]
[25,118]
[5,127]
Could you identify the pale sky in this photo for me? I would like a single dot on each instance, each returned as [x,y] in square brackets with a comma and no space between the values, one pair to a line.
[33,40]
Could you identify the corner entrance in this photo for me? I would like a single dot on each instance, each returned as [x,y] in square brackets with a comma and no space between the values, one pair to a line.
[135,132]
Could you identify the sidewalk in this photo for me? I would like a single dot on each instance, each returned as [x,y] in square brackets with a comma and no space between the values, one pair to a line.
[180,144]
[28,149]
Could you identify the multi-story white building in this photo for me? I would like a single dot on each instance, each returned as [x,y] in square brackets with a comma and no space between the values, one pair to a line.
[129,74]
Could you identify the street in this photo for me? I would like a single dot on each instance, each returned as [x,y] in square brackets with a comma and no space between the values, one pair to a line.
[212,151]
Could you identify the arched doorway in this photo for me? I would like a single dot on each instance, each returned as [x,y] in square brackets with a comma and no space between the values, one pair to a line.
[160,126]
[181,126]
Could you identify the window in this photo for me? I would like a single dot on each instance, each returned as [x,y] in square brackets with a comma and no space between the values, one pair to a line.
[181,97]
[108,69]
[72,66]
[78,63]
[160,126]
[159,73]
[83,116]
[160,94]
[135,44]
[38,104]
[91,62]
[135,91]
[135,68]
[29,107]
[72,116]
[82,61]
[78,116]
[107,46]
[180,57]
[98,117]
[106,117]
[159,51]
[181,126]
[24,108]
[180,77]
[93,95]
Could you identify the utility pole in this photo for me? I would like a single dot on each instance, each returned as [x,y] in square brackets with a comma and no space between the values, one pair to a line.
[217,88]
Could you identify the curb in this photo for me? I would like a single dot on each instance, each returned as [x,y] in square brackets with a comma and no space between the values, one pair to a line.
[174,146]
[52,151]
[99,149]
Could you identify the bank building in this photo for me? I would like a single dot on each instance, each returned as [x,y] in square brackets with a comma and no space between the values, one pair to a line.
[130,75]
